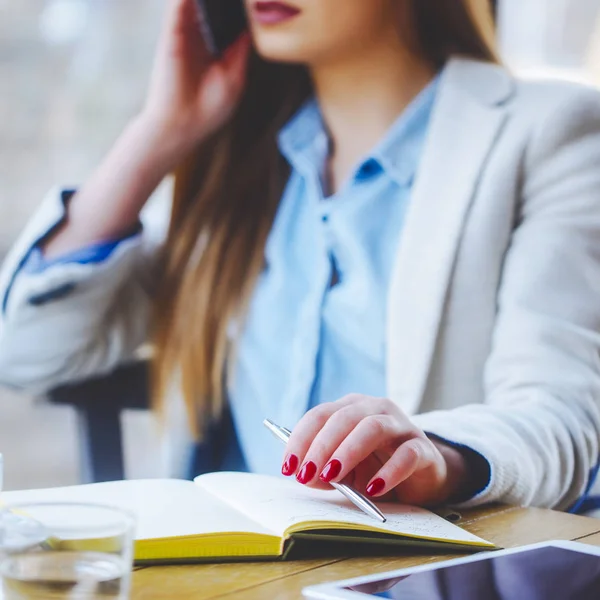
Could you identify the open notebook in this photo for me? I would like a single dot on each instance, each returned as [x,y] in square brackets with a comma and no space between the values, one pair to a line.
[240,516]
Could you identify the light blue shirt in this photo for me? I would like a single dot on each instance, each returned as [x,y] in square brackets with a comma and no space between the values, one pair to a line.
[309,339]
[315,330]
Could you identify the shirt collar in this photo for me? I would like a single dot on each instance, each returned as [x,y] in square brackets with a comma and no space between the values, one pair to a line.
[400,151]
[304,141]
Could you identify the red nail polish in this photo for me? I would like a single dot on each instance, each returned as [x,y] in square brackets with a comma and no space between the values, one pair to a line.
[375,487]
[307,472]
[332,469]
[290,465]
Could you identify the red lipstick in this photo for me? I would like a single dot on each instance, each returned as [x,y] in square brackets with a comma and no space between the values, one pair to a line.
[274,13]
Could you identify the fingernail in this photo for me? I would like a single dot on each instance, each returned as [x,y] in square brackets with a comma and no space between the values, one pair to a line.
[290,465]
[375,487]
[307,472]
[332,469]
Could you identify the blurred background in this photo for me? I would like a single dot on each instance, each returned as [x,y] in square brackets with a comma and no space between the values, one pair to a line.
[72,72]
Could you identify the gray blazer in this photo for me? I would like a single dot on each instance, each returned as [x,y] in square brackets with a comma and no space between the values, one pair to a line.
[494,309]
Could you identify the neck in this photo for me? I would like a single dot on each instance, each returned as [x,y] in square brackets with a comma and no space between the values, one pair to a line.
[361,97]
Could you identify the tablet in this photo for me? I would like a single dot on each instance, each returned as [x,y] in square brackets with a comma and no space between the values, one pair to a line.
[547,571]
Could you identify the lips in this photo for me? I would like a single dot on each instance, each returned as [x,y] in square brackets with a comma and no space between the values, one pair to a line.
[274,13]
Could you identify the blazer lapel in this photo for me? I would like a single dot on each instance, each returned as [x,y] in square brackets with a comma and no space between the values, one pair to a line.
[465,123]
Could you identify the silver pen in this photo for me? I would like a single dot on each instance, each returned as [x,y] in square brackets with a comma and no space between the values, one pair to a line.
[355,497]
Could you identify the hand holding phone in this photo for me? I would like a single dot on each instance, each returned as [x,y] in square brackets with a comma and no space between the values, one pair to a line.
[191,95]
[221,23]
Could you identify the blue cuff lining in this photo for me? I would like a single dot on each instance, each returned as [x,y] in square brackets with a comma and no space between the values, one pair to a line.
[65,196]
[587,502]
[33,262]
[95,253]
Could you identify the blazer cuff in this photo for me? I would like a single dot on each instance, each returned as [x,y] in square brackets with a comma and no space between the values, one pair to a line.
[458,430]
[92,254]
[20,288]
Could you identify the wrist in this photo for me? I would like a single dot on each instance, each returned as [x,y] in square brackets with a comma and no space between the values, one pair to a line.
[468,472]
[109,204]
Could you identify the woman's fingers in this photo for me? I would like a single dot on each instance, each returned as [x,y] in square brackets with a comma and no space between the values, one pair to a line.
[338,454]
[368,441]
[334,440]
[351,429]
[234,65]
[362,474]
[412,457]
[372,444]
[180,23]
[306,431]
[182,18]
[303,435]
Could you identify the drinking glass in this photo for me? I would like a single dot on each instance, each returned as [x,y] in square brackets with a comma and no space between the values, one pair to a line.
[65,551]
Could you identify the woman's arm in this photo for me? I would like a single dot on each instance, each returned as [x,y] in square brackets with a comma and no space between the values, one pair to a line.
[540,424]
[535,438]
[72,320]
[109,204]
[190,97]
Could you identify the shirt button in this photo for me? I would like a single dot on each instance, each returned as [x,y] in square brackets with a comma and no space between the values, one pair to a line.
[368,169]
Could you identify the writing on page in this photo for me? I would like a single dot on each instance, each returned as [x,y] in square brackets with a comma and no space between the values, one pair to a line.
[279,504]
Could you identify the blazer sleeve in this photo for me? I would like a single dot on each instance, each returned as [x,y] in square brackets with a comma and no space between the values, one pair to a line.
[71,321]
[539,424]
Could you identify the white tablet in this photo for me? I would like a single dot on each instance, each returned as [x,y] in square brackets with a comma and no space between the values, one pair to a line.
[547,571]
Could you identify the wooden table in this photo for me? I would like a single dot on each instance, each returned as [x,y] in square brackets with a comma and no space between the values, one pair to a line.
[505,526]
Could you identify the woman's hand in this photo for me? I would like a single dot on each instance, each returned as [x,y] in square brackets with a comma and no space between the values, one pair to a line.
[372,445]
[190,94]
[190,97]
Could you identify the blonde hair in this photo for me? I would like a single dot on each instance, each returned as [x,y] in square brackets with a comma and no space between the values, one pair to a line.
[225,200]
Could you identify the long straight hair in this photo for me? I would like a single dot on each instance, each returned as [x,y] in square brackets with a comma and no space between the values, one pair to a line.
[224,204]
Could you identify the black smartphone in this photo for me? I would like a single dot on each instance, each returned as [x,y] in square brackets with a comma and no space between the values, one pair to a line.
[221,22]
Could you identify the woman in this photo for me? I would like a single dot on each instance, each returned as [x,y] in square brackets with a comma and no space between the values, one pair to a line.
[376,222]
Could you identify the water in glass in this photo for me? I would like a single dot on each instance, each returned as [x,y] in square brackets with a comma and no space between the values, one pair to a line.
[64,576]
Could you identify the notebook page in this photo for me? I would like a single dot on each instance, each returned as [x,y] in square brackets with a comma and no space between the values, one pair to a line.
[280,504]
[163,508]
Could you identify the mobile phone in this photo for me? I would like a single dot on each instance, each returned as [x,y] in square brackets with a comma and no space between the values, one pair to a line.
[221,23]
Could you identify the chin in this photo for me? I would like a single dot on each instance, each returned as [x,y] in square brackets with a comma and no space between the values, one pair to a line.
[280,48]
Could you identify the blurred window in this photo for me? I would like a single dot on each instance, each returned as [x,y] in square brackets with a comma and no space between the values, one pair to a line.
[552,37]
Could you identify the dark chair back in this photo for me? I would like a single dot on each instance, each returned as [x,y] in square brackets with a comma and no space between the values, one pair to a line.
[99,402]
